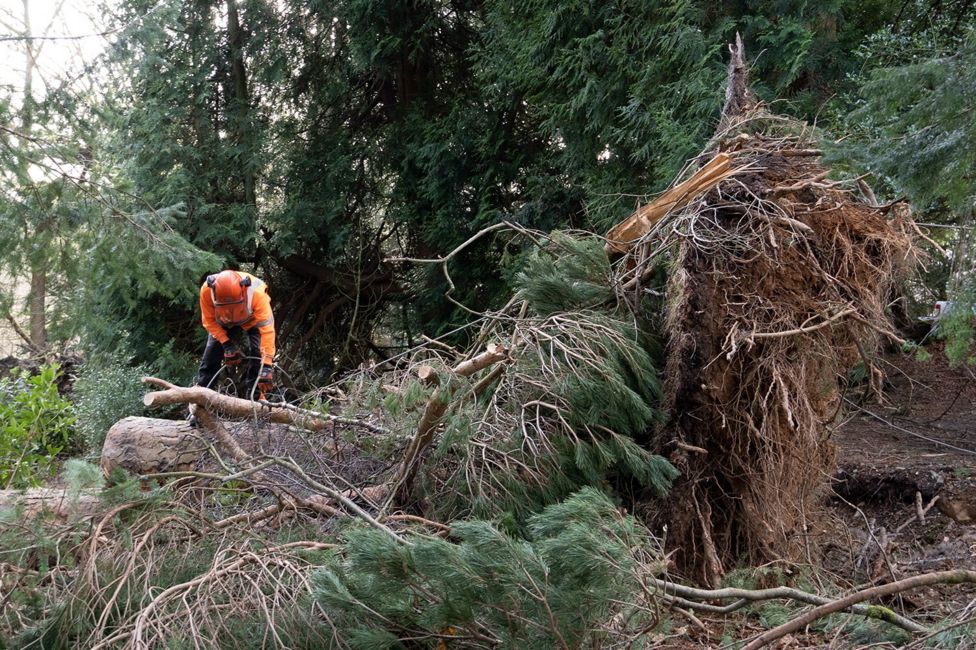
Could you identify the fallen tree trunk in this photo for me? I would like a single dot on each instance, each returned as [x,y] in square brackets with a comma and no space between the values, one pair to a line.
[259,447]
[144,446]
[57,501]
[152,446]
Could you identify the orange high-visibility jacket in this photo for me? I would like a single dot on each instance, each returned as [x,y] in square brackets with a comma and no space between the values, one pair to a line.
[259,307]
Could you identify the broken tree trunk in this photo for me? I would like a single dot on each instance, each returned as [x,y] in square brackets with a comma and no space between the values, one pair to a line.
[436,408]
[621,237]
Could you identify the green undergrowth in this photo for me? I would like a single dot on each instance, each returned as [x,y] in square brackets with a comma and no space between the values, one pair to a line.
[108,389]
[37,426]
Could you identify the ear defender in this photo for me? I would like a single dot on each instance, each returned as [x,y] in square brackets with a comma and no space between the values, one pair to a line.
[245,281]
[211,281]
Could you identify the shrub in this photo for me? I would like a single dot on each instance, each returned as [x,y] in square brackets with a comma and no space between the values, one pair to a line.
[105,393]
[36,425]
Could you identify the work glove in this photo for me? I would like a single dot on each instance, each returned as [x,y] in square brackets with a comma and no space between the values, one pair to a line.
[265,379]
[232,354]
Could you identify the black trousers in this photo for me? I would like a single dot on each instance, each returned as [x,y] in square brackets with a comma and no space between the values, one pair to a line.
[213,359]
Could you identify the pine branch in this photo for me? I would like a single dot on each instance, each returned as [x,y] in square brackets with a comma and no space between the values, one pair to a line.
[434,413]
[691,598]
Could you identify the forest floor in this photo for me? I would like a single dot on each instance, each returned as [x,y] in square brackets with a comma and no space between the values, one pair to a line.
[894,458]
[912,451]
[919,443]
[892,462]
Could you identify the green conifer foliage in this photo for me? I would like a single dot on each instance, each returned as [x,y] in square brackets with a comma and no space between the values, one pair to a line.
[574,409]
[578,565]
[913,128]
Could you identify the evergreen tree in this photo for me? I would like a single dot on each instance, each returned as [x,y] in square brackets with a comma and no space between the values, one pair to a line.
[911,126]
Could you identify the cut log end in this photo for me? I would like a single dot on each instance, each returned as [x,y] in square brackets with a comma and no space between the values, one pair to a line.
[150,446]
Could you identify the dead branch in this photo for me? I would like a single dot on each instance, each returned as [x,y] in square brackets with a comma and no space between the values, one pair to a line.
[28,341]
[327,416]
[692,597]
[235,406]
[841,604]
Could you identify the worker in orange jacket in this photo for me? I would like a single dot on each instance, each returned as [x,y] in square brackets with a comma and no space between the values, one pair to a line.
[232,304]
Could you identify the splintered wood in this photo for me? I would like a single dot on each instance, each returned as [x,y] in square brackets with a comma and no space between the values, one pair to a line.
[622,236]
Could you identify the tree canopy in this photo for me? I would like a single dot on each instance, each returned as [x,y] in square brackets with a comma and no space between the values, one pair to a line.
[317,144]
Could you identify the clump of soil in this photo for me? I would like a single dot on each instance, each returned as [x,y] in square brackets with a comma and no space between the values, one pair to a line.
[69,363]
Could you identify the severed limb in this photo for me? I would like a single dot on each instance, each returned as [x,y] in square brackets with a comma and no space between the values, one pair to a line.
[436,408]
[841,604]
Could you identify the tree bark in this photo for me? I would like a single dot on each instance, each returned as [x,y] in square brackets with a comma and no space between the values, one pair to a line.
[240,104]
[232,406]
[57,501]
[151,446]
[38,279]
[38,314]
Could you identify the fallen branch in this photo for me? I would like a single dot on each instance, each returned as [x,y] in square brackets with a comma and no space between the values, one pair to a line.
[214,401]
[841,604]
[259,478]
[338,419]
[33,347]
[321,501]
[434,413]
[690,597]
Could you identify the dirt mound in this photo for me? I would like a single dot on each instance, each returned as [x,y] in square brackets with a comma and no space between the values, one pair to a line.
[69,363]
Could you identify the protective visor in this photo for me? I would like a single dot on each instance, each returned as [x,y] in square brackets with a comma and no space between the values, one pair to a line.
[233,313]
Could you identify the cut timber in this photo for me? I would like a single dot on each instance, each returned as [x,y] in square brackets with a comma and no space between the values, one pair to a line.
[151,446]
[638,224]
[264,450]
[56,501]
[143,446]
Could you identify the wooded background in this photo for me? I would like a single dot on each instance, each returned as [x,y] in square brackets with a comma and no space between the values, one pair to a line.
[316,143]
